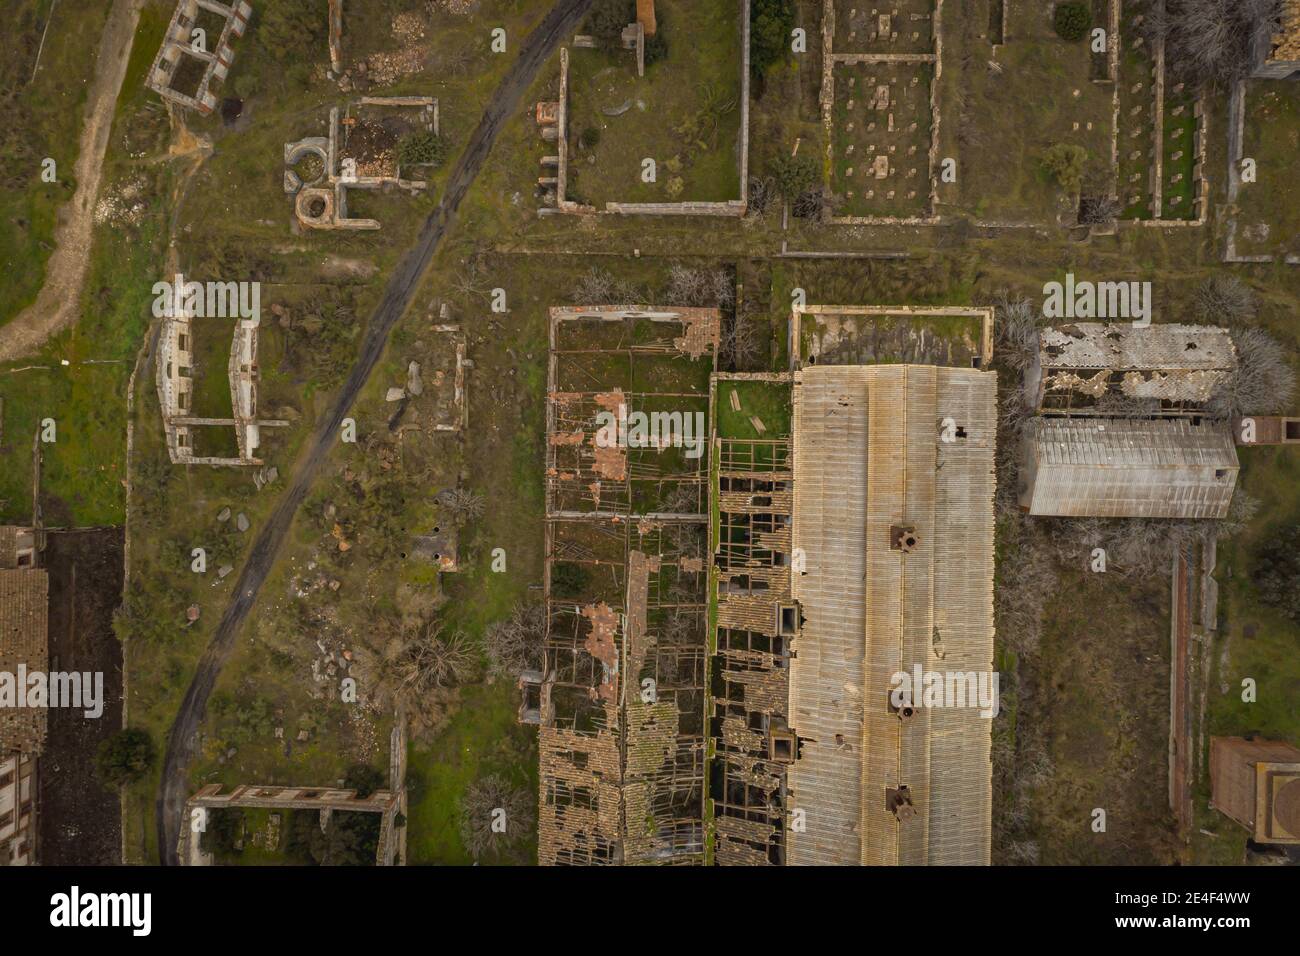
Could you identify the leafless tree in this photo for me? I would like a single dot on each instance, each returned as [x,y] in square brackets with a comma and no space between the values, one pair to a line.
[462,505]
[741,345]
[713,288]
[427,660]
[599,287]
[494,816]
[1016,324]
[1098,210]
[1211,41]
[515,644]
[1263,381]
[1224,298]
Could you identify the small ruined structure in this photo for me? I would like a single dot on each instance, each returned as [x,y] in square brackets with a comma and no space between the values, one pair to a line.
[24,648]
[319,171]
[1129,468]
[620,698]
[1266,430]
[325,800]
[1257,784]
[1082,366]
[197,50]
[175,384]
[894,513]
[1278,53]
[553,127]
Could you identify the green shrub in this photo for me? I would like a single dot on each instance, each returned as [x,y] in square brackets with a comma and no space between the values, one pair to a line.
[795,175]
[1064,162]
[424,148]
[590,138]
[1072,21]
[125,757]
[769,36]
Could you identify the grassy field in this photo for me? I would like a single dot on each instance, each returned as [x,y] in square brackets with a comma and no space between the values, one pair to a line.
[41,120]
[684,113]
[999,121]
[1269,223]
[83,470]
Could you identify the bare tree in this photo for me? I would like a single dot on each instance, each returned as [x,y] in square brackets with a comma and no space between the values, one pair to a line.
[1224,298]
[1016,324]
[494,816]
[1214,42]
[599,287]
[428,660]
[714,288]
[515,644]
[741,346]
[1263,381]
[462,505]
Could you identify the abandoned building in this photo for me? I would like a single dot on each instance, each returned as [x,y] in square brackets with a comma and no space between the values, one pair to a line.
[24,648]
[324,800]
[1093,367]
[756,619]
[320,171]
[620,697]
[1128,468]
[910,585]
[1257,784]
[175,383]
[1278,53]
[197,51]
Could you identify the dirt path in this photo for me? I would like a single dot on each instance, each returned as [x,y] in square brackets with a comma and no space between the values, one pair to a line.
[562,20]
[57,303]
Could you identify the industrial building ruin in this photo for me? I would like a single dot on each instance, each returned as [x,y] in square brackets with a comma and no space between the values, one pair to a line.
[24,648]
[910,448]
[1122,429]
[320,171]
[1086,367]
[756,619]
[187,432]
[1129,468]
[620,697]
[1257,784]
[197,51]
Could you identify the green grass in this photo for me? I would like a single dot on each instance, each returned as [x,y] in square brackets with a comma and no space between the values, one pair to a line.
[46,117]
[768,401]
[684,113]
[1272,140]
[477,742]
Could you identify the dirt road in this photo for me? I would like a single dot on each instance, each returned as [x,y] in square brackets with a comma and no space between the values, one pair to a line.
[562,20]
[58,301]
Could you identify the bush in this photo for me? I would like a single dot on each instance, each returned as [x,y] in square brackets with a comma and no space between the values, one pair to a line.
[608,19]
[364,779]
[1072,21]
[1064,162]
[656,47]
[769,38]
[1276,572]
[291,30]
[590,138]
[795,175]
[125,757]
[425,148]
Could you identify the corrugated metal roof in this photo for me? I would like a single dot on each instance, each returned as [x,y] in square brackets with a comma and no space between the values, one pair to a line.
[1123,346]
[24,604]
[1118,468]
[868,457]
